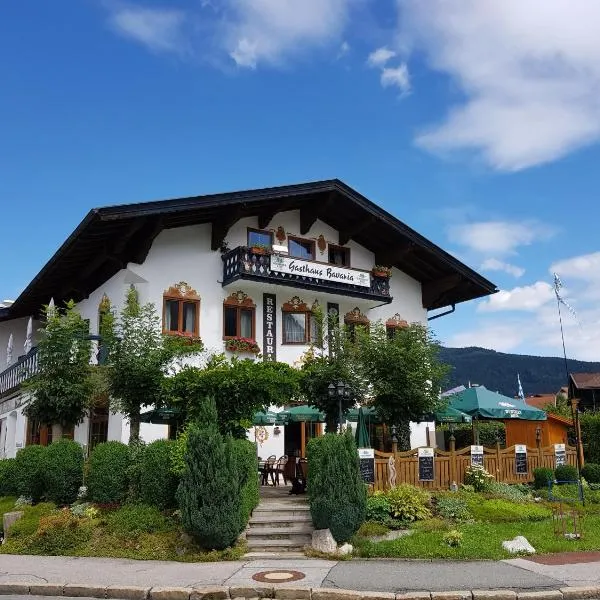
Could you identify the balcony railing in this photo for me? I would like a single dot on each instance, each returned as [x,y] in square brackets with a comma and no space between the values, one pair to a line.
[15,375]
[280,269]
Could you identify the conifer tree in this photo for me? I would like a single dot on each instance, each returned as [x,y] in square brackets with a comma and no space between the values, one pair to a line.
[209,493]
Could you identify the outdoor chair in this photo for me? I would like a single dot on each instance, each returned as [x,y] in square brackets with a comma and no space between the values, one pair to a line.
[269,469]
[280,469]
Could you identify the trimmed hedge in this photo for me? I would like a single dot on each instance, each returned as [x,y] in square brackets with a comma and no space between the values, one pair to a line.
[7,477]
[541,477]
[590,436]
[337,494]
[63,471]
[566,473]
[107,479]
[247,464]
[158,484]
[29,472]
[591,472]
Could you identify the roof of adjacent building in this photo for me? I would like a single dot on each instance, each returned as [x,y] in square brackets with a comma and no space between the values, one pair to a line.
[586,381]
[111,237]
[541,400]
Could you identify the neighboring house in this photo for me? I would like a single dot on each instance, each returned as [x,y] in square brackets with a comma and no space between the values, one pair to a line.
[249,264]
[585,387]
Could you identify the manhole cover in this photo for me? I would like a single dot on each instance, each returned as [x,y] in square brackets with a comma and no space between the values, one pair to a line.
[278,576]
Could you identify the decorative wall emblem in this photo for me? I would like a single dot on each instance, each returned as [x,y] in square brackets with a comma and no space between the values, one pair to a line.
[239,298]
[183,290]
[295,305]
[355,316]
[280,234]
[261,434]
[321,244]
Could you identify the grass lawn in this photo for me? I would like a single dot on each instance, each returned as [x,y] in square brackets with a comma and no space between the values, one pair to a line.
[136,532]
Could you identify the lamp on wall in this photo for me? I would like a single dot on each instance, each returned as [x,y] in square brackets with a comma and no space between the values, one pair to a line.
[538,435]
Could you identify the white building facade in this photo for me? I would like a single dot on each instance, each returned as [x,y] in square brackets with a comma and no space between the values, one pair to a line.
[251,265]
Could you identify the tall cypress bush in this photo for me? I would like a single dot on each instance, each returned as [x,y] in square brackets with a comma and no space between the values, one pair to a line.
[209,491]
[337,494]
[63,471]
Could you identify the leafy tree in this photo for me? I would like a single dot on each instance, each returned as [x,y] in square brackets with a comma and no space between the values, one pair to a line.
[239,387]
[209,493]
[331,360]
[139,359]
[63,385]
[403,372]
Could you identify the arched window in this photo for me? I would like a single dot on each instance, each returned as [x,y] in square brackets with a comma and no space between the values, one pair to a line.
[181,310]
[393,324]
[239,317]
[300,325]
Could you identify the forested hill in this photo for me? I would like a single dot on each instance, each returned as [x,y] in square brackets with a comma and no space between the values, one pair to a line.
[498,371]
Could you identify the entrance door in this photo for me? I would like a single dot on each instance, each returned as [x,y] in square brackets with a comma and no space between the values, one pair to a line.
[297,436]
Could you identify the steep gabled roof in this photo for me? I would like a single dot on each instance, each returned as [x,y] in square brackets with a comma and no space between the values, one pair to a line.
[586,381]
[109,238]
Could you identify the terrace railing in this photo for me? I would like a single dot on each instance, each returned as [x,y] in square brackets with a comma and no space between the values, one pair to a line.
[12,377]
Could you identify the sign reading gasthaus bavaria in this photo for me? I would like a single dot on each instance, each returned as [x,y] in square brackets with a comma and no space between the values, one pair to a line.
[295,266]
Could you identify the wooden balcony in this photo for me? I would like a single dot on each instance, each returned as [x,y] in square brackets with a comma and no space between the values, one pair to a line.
[242,263]
[12,377]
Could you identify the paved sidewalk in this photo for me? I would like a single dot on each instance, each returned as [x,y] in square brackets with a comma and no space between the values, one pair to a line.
[372,575]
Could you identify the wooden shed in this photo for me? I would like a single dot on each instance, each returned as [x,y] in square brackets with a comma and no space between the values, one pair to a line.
[552,431]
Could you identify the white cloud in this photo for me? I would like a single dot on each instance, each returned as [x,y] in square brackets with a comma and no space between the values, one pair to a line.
[343,50]
[585,267]
[500,337]
[269,31]
[159,29]
[493,264]
[396,77]
[499,237]
[528,298]
[378,58]
[529,73]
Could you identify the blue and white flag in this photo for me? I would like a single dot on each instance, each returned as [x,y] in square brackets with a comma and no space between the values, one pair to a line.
[521,394]
[558,284]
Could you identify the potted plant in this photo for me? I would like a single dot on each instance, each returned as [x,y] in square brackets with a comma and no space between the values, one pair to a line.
[382,271]
[260,249]
[240,344]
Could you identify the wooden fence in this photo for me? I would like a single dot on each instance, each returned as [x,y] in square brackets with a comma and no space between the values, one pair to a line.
[403,467]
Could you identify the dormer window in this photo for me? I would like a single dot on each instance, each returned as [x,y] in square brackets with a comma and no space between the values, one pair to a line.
[259,238]
[339,255]
[300,248]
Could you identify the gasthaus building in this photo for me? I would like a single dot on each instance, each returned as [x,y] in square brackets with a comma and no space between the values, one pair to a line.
[250,264]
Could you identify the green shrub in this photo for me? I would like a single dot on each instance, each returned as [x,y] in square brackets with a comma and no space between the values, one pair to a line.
[566,473]
[515,493]
[479,478]
[453,538]
[209,492]
[178,452]
[409,503]
[337,494]
[136,519]
[247,465]
[7,477]
[107,479]
[591,472]
[378,508]
[63,471]
[29,522]
[158,483]
[590,436]
[498,510]
[371,529]
[541,477]
[29,472]
[452,508]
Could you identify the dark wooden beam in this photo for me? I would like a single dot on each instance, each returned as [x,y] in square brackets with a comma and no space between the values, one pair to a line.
[145,238]
[265,217]
[391,255]
[433,291]
[127,235]
[346,234]
[221,226]
[310,211]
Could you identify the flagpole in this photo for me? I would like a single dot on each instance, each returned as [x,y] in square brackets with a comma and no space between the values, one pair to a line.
[562,336]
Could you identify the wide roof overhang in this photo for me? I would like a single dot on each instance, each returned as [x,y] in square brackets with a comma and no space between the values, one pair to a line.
[109,238]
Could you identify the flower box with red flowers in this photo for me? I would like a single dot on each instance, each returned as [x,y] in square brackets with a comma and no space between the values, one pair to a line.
[240,344]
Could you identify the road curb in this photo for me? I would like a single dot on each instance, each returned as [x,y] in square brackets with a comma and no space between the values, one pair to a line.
[116,592]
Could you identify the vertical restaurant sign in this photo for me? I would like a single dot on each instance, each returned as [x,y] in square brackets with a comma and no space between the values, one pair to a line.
[426,464]
[269,328]
[521,459]
[333,320]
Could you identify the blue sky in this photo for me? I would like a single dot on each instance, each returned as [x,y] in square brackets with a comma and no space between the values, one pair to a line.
[474,122]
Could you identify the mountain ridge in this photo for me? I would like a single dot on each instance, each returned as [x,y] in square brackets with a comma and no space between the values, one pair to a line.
[498,370]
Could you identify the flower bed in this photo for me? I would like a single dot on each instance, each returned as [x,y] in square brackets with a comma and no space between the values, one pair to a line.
[241,345]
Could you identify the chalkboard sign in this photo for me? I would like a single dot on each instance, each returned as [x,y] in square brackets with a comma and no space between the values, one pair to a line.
[520,459]
[560,455]
[477,456]
[367,464]
[426,464]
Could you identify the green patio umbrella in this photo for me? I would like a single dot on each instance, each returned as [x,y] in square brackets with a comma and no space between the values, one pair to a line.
[369,413]
[161,416]
[269,418]
[362,434]
[451,415]
[303,413]
[481,403]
